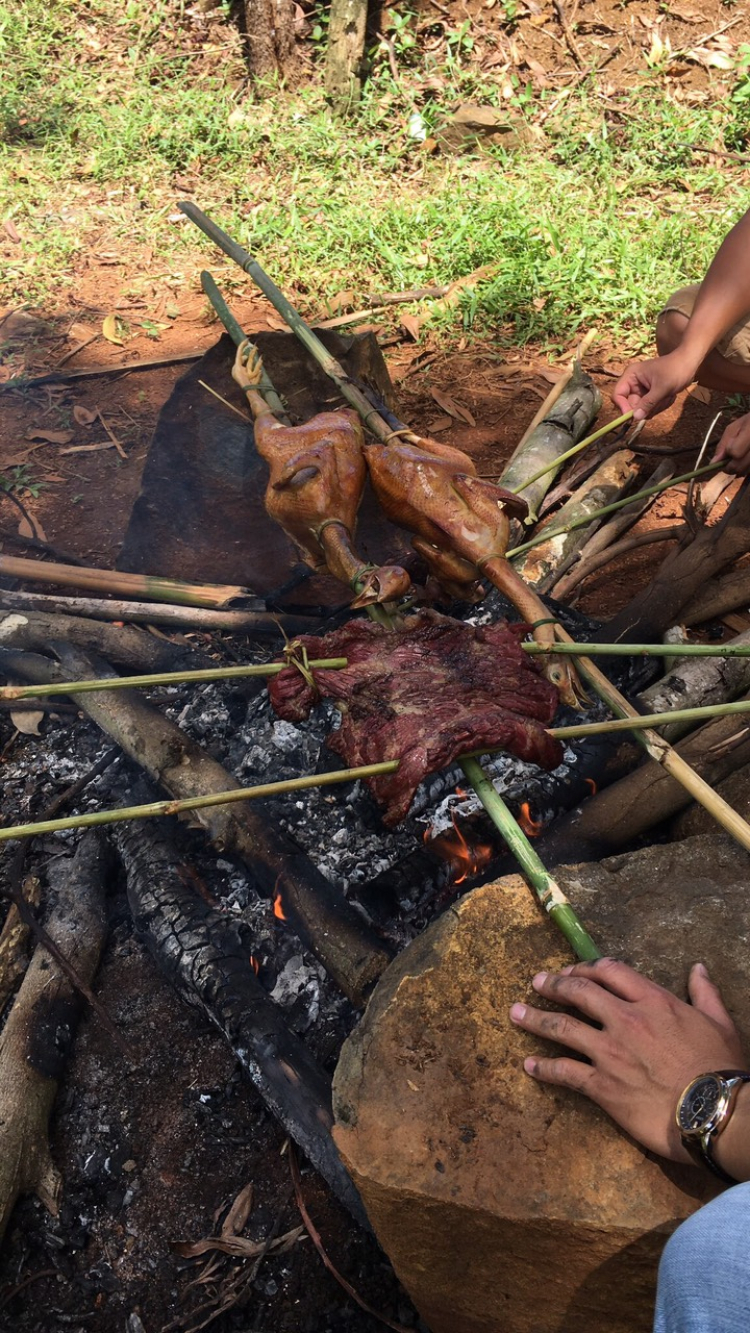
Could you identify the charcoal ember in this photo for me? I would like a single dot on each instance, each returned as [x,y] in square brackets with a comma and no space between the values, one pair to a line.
[424,693]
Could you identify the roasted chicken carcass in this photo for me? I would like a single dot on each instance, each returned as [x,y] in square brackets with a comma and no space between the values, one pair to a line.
[462,526]
[315,488]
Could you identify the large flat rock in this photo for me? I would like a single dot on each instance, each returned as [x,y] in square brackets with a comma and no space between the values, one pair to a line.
[506,1206]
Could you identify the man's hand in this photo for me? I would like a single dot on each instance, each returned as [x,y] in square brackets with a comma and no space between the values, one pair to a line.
[648,387]
[734,447]
[643,1044]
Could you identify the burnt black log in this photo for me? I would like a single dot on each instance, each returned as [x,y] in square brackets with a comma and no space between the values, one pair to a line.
[337,934]
[206,957]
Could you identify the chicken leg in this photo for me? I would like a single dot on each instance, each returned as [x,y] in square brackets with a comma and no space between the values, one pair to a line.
[433,490]
[315,488]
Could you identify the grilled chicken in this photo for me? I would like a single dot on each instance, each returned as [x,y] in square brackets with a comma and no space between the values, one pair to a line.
[462,524]
[315,488]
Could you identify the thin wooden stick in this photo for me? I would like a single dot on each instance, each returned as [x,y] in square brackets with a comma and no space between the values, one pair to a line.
[173,807]
[660,750]
[548,891]
[162,678]
[547,533]
[576,449]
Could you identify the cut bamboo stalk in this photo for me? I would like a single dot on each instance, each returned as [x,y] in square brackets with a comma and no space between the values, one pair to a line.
[552,397]
[575,567]
[660,750]
[547,890]
[613,477]
[154,809]
[557,463]
[570,418]
[147,586]
[547,533]
[163,678]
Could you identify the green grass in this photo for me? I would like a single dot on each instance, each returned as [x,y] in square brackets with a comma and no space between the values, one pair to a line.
[103,104]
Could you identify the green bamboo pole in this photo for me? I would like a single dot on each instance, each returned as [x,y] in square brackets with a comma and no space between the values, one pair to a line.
[576,449]
[317,349]
[547,534]
[639,649]
[163,678]
[548,891]
[699,714]
[238,336]
[147,586]
[172,807]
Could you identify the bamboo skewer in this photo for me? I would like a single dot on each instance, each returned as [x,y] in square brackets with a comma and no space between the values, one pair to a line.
[547,533]
[640,649]
[176,807]
[548,891]
[645,720]
[660,750]
[162,678]
[576,449]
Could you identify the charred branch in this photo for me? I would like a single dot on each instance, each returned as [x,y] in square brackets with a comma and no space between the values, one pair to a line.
[206,957]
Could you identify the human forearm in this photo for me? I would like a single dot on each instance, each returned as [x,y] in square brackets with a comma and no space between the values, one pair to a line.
[723,299]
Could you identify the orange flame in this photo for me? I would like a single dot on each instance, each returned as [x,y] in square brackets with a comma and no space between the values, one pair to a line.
[465,859]
[590,783]
[255,965]
[532,827]
[278,906]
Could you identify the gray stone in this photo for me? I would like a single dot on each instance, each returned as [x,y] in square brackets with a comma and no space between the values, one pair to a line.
[503,1204]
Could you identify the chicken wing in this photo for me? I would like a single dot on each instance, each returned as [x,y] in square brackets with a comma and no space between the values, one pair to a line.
[433,490]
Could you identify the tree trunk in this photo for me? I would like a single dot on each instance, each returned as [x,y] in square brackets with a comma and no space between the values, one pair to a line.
[344,56]
[269,26]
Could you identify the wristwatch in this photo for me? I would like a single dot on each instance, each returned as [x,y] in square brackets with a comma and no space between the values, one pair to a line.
[703,1113]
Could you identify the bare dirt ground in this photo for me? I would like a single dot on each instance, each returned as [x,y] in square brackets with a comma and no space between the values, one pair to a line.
[151,1153]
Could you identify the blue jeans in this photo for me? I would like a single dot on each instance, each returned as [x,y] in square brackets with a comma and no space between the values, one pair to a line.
[704,1274]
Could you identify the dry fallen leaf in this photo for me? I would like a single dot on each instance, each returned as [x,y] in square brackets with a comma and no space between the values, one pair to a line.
[80,333]
[412,325]
[453,408]
[11,230]
[234,1222]
[700,394]
[440,423]
[111,330]
[238,1245]
[26,720]
[32,528]
[50,436]
[84,416]
[274,322]
[701,55]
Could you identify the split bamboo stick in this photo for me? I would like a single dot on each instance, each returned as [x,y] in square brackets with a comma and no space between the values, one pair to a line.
[576,449]
[660,750]
[163,678]
[178,807]
[547,533]
[643,721]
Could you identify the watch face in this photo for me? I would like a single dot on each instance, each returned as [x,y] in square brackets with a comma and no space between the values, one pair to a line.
[699,1104]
